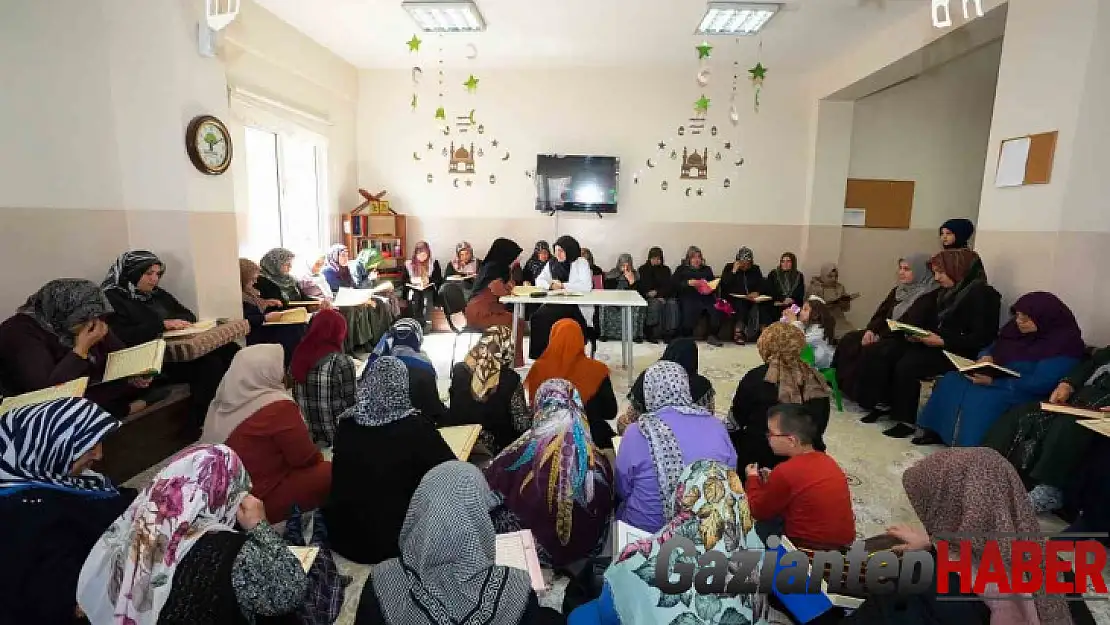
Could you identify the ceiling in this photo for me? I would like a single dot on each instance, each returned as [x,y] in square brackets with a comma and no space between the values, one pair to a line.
[530,33]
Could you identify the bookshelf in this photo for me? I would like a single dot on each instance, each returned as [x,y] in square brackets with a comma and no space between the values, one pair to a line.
[374,224]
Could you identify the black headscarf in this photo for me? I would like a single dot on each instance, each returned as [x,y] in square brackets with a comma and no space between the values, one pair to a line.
[497,264]
[962,228]
[683,351]
[534,266]
[561,270]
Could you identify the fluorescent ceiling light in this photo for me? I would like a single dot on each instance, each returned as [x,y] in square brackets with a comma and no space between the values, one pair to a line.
[736,18]
[445,16]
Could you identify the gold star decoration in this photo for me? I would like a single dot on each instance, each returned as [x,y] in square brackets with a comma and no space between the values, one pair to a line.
[430,146]
[701,105]
[704,50]
[414,44]
[440,113]
[758,72]
[471,84]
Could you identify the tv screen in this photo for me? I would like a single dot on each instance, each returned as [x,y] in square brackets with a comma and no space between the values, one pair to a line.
[577,183]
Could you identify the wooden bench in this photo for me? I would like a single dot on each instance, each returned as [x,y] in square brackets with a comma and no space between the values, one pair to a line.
[148,437]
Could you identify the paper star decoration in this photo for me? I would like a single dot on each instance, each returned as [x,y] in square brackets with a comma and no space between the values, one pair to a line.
[440,113]
[494,143]
[704,49]
[430,146]
[414,44]
[471,84]
[701,105]
[758,72]
[662,145]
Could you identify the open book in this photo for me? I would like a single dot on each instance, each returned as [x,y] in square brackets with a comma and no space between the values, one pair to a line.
[757,299]
[459,278]
[421,287]
[898,326]
[518,550]
[197,328]
[357,297]
[968,366]
[1102,426]
[311,303]
[461,438]
[713,283]
[305,555]
[141,360]
[73,388]
[1082,413]
[525,291]
[290,317]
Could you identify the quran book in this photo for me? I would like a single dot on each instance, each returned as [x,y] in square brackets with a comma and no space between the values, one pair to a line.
[898,326]
[420,287]
[197,328]
[290,317]
[312,303]
[616,444]
[564,293]
[461,438]
[352,297]
[624,534]
[141,360]
[525,291]
[518,550]
[713,283]
[305,555]
[758,298]
[1102,426]
[968,366]
[459,278]
[1082,413]
[73,388]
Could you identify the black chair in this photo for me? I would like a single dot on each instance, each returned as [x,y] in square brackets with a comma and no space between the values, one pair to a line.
[453,301]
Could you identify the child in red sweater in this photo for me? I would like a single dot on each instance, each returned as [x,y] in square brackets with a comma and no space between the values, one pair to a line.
[809,491]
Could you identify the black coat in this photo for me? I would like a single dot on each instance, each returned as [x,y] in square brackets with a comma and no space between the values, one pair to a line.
[370,610]
[655,278]
[495,414]
[753,398]
[741,283]
[684,274]
[135,322]
[973,324]
[268,290]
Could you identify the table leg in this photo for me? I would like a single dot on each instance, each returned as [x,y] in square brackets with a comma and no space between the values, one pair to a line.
[518,312]
[626,341]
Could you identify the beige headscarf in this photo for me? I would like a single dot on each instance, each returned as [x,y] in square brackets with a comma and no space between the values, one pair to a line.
[254,380]
[780,345]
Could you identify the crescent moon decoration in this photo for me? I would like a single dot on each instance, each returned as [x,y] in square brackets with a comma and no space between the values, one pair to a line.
[471,51]
[703,76]
[650,164]
[417,74]
[471,116]
[506,157]
[415,156]
[455,183]
[688,189]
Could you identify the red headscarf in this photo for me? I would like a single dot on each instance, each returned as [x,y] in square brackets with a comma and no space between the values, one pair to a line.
[325,336]
[565,357]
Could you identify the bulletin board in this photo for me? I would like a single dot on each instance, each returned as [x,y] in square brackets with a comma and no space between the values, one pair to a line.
[879,203]
[1026,160]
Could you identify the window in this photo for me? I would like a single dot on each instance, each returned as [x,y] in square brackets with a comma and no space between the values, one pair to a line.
[285,187]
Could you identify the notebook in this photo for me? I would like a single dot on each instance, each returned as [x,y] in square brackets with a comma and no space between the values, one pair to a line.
[968,366]
[141,360]
[353,297]
[1082,413]
[461,438]
[518,550]
[197,328]
[73,388]
[898,326]
[290,317]
[616,444]
[305,555]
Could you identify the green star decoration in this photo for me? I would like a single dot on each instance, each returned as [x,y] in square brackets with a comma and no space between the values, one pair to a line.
[440,113]
[471,84]
[701,105]
[758,72]
[704,49]
[414,44]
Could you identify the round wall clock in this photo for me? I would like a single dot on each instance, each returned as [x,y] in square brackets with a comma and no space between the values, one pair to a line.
[209,145]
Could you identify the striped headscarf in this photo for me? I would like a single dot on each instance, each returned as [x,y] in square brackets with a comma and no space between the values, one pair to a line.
[485,360]
[383,394]
[39,444]
[62,304]
[126,271]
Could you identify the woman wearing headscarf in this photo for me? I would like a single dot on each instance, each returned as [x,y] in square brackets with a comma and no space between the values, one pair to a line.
[383,448]
[784,378]
[864,359]
[741,285]
[58,335]
[54,506]
[565,358]
[554,481]
[656,285]
[589,256]
[1042,342]
[143,310]
[422,278]
[968,492]
[685,353]
[175,555]
[568,270]
[785,284]
[310,278]
[323,376]
[365,323]
[673,432]
[622,277]
[484,308]
[695,296]
[697,513]
[837,299]
[255,416]
[445,569]
[967,321]
[956,234]
[487,391]
[404,341]
[255,312]
[533,267]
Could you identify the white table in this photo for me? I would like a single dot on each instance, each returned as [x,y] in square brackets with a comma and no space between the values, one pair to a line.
[626,300]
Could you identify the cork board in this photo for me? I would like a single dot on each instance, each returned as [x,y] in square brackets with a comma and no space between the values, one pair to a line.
[1026,160]
[887,203]
[1042,152]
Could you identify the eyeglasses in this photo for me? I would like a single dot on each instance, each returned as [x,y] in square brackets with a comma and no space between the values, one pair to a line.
[777,435]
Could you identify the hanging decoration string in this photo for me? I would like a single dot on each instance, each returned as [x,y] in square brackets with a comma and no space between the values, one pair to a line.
[758,73]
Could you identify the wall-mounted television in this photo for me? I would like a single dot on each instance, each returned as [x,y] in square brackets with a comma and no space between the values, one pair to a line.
[577,183]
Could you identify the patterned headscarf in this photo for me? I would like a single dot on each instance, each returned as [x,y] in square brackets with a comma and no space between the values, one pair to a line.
[383,394]
[780,345]
[745,254]
[471,266]
[787,279]
[332,259]
[128,576]
[711,509]
[402,340]
[485,360]
[447,571]
[248,273]
[62,304]
[271,265]
[534,265]
[419,269]
[972,491]
[39,444]
[128,269]
[923,283]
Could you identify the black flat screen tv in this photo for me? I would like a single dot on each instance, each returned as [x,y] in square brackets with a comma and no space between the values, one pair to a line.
[577,183]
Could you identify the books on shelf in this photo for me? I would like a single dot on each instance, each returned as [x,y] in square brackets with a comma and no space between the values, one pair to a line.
[969,367]
[305,555]
[196,328]
[73,388]
[292,316]
[140,360]
[898,326]
[461,438]
[518,550]
[1082,413]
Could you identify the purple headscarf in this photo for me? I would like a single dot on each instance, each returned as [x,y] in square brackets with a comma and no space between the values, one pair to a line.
[1057,332]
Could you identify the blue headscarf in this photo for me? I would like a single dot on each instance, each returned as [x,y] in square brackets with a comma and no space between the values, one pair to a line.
[402,341]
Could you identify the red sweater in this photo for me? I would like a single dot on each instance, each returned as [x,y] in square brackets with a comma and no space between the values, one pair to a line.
[810,492]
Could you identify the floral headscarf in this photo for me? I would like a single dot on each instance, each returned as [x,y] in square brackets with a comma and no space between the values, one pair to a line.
[780,346]
[128,576]
[485,360]
[711,509]
[471,266]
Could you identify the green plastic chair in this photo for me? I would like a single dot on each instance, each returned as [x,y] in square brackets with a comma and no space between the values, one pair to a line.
[829,375]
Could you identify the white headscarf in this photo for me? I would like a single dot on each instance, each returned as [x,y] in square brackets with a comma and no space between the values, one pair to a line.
[254,380]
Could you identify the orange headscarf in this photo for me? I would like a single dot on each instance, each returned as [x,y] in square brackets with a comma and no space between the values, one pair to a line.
[565,357]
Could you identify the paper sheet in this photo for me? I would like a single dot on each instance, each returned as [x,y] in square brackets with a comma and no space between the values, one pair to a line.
[306,555]
[461,438]
[73,388]
[518,550]
[855,217]
[1011,163]
[352,297]
[145,359]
